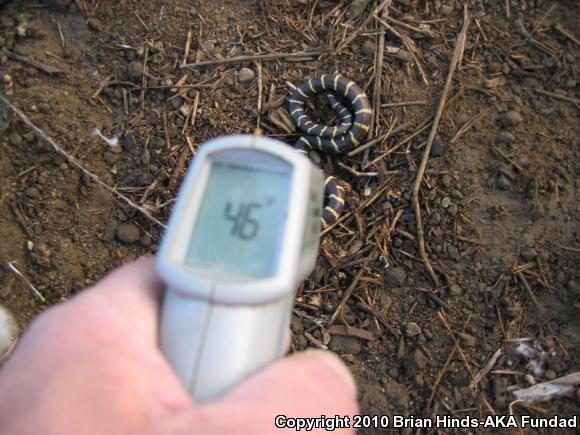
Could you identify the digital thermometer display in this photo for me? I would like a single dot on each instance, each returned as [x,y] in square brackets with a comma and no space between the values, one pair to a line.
[241,220]
[243,234]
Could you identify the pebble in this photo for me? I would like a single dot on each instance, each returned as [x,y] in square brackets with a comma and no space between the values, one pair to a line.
[395,276]
[412,329]
[16,139]
[446,181]
[369,47]
[110,157]
[435,219]
[452,210]
[445,202]
[345,344]
[530,380]
[414,362]
[8,332]
[146,240]
[550,375]
[128,142]
[393,372]
[511,118]
[33,192]
[446,10]
[455,290]
[135,70]
[452,252]
[529,254]
[437,149]
[505,137]
[404,56]
[467,340]
[245,75]
[357,7]
[128,233]
[503,182]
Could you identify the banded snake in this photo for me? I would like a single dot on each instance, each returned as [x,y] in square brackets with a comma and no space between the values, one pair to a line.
[336,139]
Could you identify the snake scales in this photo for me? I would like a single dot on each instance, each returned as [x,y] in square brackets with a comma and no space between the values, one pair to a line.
[354,125]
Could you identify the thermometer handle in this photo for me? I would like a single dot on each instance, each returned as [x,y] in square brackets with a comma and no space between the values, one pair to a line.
[212,347]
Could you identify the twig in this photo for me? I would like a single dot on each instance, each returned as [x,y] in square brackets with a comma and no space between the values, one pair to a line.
[346,295]
[187,47]
[259,80]
[405,103]
[360,28]
[486,369]
[409,27]
[558,27]
[78,164]
[265,56]
[50,70]
[457,54]
[557,96]
[527,287]
[379,60]
[10,265]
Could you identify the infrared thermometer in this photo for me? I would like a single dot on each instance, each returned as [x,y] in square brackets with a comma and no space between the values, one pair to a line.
[242,236]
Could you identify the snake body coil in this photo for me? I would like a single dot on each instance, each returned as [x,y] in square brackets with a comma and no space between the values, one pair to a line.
[354,125]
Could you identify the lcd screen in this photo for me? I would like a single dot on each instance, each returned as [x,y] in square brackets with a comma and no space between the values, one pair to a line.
[242,219]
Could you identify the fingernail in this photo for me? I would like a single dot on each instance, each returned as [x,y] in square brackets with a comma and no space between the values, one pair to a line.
[331,360]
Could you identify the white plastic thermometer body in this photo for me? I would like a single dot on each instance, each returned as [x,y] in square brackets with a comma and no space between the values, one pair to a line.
[243,234]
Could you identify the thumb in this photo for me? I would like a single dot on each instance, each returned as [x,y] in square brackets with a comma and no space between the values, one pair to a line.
[309,384]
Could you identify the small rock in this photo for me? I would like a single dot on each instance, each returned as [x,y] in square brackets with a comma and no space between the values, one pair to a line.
[110,230]
[550,375]
[8,332]
[404,56]
[437,149]
[110,157]
[393,372]
[414,362]
[529,254]
[503,182]
[245,75]
[452,210]
[16,139]
[412,329]
[511,118]
[33,192]
[467,340]
[395,276]
[446,10]
[446,181]
[505,137]
[128,142]
[135,70]
[128,233]
[345,344]
[176,102]
[454,290]
[357,7]
[146,240]
[452,252]
[369,47]
[418,380]
[435,219]
[386,301]
[530,380]
[445,202]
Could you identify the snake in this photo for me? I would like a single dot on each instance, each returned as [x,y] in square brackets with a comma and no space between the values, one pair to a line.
[354,125]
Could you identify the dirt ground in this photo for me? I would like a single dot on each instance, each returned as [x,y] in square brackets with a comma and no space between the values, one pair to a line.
[498,200]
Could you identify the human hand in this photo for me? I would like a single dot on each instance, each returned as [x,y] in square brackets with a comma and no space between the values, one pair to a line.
[92,366]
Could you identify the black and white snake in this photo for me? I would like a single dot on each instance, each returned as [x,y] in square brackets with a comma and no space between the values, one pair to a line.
[354,125]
